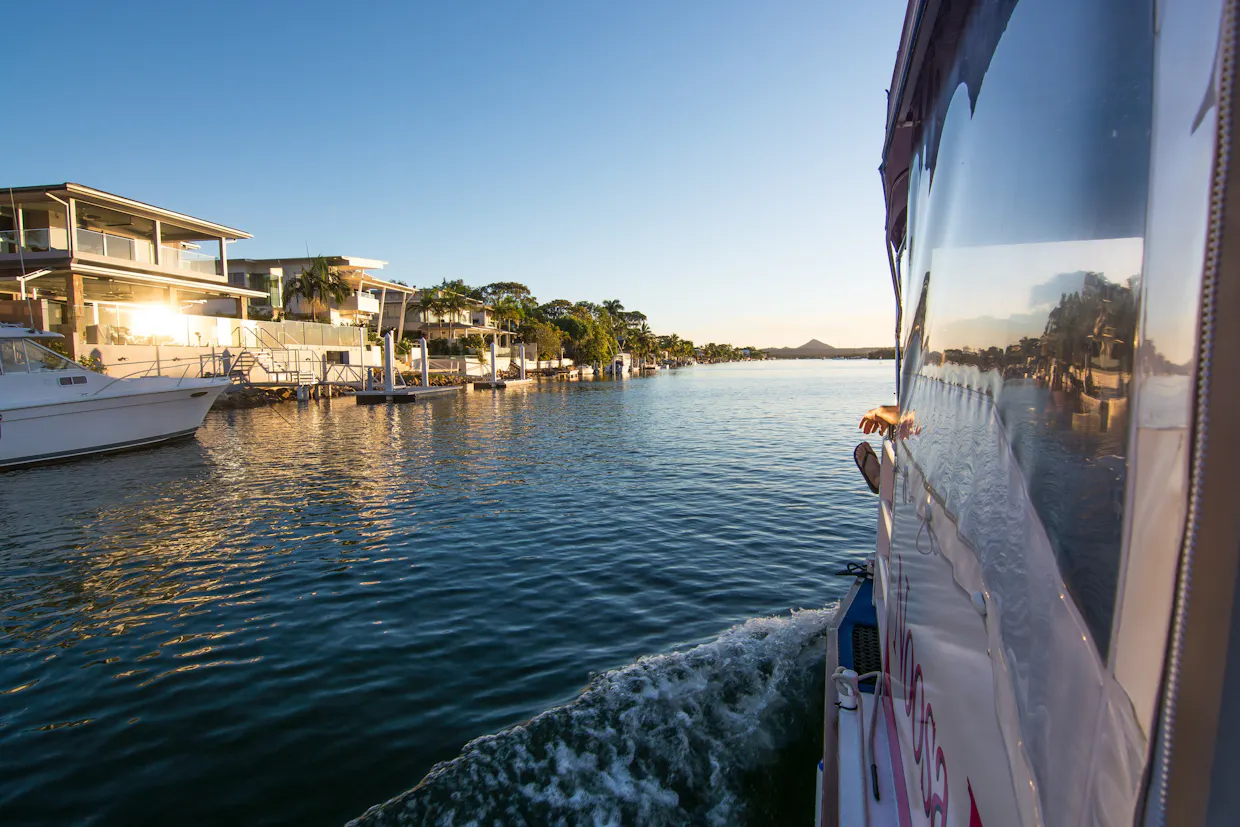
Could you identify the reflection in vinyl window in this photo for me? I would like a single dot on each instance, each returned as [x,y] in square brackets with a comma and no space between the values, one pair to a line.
[1027,203]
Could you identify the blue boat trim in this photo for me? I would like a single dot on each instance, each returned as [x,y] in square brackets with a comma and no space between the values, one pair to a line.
[860,614]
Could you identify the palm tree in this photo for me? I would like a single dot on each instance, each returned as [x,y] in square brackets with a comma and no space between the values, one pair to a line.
[642,342]
[317,284]
[430,301]
[453,303]
[507,311]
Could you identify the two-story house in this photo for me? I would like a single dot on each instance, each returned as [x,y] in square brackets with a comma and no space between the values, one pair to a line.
[93,265]
[369,295]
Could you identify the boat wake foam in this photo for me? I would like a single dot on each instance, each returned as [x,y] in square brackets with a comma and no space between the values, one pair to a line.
[701,736]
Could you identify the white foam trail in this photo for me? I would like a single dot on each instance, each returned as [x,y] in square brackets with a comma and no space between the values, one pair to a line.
[669,740]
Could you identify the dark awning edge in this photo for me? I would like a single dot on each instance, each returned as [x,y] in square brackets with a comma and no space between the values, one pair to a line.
[898,144]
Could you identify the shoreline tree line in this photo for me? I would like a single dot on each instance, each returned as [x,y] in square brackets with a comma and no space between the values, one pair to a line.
[586,332]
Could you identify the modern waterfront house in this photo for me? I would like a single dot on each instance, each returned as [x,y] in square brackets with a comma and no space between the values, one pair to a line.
[141,289]
[370,298]
[261,276]
[476,318]
[144,290]
[90,264]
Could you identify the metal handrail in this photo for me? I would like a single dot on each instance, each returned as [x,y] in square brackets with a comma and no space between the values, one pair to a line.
[157,365]
[263,338]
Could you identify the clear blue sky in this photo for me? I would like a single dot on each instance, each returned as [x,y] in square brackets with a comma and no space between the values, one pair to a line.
[712,164]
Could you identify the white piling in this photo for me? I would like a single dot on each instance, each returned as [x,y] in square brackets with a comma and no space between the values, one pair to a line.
[389,368]
[494,361]
[523,360]
[426,366]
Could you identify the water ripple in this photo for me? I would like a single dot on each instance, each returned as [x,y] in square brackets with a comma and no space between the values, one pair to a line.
[291,619]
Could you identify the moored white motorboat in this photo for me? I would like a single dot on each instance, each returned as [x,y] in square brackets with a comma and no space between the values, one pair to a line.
[52,409]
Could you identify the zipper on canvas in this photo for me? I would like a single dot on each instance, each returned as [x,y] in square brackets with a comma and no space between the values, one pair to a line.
[1184,586]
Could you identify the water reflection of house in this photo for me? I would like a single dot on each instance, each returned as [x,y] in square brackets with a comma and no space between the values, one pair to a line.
[1084,355]
[92,264]
[1087,348]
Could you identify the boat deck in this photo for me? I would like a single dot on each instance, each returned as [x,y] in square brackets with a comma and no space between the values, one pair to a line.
[856,645]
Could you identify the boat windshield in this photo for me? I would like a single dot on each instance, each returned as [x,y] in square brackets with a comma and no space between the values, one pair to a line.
[25,356]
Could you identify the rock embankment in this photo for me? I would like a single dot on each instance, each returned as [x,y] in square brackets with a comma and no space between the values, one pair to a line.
[239,397]
[438,380]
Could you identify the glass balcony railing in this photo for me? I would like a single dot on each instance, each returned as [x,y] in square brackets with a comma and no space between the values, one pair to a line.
[113,246]
[36,240]
[155,324]
[189,260]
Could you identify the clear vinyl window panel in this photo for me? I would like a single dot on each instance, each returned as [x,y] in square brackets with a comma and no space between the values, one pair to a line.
[1027,211]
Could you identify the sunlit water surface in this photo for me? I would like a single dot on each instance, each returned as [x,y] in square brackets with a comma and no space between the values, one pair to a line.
[306,610]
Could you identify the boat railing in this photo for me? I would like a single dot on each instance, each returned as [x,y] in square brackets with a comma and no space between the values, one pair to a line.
[176,368]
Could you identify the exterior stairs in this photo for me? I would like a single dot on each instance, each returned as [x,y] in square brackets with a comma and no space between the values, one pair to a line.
[278,366]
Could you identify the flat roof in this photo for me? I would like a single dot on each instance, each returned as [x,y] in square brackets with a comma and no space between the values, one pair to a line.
[366,279]
[356,264]
[336,261]
[209,228]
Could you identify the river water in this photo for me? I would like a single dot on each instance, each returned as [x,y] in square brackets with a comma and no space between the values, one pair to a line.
[306,610]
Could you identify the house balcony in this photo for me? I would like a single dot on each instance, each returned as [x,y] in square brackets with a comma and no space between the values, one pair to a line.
[191,260]
[109,245]
[141,251]
[46,240]
[113,246]
[360,303]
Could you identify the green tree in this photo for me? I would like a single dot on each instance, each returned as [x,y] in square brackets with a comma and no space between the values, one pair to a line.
[496,291]
[586,338]
[430,303]
[552,310]
[642,342]
[317,284]
[546,337]
[508,311]
[460,287]
[614,307]
[453,304]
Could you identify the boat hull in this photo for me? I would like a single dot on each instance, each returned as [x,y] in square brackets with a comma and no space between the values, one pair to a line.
[91,425]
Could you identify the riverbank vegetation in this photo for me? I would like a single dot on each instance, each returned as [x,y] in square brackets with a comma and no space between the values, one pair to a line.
[586,332]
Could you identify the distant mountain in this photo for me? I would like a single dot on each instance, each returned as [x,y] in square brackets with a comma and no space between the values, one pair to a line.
[815,349]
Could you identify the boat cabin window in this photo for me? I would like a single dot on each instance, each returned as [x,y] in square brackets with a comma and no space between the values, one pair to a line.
[12,356]
[25,356]
[1026,223]
[41,359]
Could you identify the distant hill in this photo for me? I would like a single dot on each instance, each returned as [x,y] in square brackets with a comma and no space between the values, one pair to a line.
[815,349]
[815,345]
